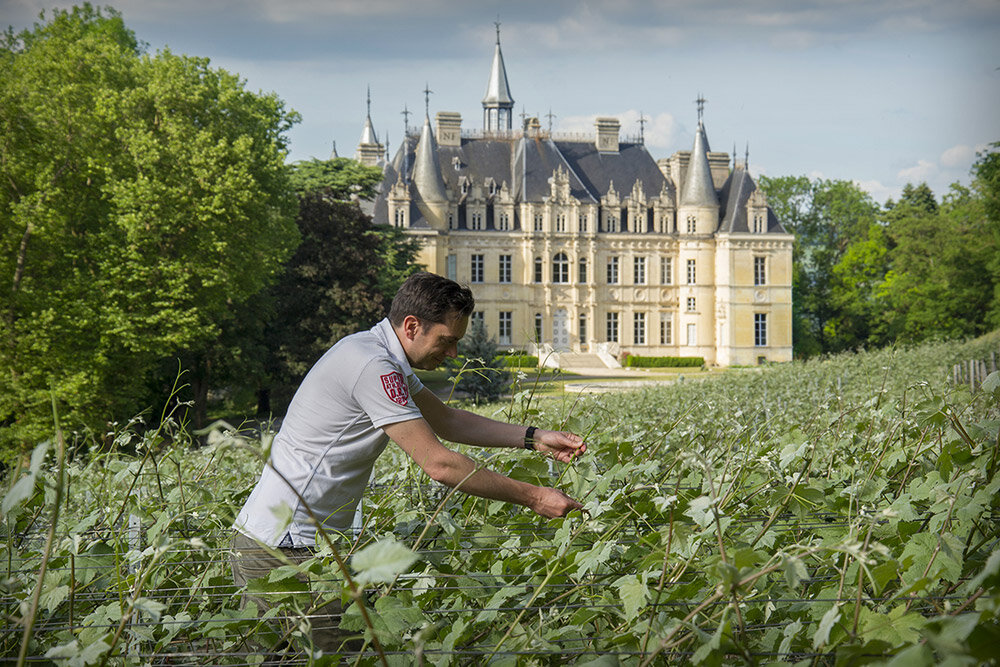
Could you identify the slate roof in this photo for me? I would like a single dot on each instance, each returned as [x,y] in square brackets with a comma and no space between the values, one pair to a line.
[526,165]
[733,199]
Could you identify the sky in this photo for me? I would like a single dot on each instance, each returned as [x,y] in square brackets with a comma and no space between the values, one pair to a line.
[879,92]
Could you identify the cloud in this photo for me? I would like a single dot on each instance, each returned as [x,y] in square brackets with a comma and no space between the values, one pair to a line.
[918,173]
[958,156]
[879,192]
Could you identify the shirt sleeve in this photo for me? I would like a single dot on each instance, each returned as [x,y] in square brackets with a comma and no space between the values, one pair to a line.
[385,394]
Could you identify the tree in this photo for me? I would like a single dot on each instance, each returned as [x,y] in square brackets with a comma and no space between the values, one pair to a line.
[143,199]
[939,284]
[340,178]
[480,372]
[341,278]
[986,183]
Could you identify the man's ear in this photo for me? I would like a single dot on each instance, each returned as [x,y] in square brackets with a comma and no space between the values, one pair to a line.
[411,326]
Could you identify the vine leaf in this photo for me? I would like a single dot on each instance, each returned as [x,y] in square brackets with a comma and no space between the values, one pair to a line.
[383,561]
[822,636]
[633,593]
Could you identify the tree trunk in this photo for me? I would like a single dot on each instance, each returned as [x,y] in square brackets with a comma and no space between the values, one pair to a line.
[264,402]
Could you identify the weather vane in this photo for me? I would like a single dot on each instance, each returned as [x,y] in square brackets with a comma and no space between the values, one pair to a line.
[406,120]
[701,106]
[642,128]
[427,99]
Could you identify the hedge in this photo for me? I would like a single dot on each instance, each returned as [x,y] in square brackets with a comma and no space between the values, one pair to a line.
[520,360]
[635,361]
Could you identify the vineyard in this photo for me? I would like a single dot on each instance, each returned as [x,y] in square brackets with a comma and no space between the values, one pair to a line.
[840,511]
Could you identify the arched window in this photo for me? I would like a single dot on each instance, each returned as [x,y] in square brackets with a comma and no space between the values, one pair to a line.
[560,268]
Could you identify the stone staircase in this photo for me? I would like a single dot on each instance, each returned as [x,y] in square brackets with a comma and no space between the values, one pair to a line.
[570,360]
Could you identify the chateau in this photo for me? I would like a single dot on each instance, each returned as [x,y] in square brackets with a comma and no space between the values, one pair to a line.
[586,245]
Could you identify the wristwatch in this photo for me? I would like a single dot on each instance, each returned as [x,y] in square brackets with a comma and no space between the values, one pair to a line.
[529,438]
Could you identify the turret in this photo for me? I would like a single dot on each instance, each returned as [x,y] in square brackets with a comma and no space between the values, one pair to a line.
[432,200]
[698,209]
[369,149]
[498,105]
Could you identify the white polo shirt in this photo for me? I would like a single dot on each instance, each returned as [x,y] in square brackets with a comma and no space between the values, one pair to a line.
[331,436]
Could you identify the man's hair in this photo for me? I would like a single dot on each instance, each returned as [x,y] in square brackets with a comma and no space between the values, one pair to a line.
[430,298]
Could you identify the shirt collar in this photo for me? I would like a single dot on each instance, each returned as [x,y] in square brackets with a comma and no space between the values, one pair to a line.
[384,331]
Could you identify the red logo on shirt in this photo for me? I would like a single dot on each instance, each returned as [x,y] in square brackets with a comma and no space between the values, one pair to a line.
[395,388]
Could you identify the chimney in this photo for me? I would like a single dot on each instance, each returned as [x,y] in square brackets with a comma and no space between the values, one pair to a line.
[449,128]
[607,135]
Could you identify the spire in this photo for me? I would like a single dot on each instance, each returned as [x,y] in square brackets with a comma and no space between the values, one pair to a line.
[333,153]
[369,150]
[699,190]
[498,105]
[368,135]
[426,169]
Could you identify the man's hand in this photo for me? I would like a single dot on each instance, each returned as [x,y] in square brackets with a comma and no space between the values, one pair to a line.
[553,503]
[561,445]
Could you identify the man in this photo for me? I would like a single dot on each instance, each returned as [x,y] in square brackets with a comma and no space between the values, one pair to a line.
[362,393]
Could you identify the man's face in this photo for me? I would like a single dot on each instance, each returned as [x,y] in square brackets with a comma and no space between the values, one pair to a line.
[433,342]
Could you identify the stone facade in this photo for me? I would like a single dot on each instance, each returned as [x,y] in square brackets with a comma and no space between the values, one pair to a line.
[589,245]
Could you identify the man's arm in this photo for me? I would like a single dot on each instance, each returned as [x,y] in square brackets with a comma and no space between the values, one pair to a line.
[471,429]
[452,468]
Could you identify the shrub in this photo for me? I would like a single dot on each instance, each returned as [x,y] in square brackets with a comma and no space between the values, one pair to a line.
[635,361]
[520,360]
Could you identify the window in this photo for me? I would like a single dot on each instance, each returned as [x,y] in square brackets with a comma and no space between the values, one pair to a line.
[506,326]
[477,316]
[582,329]
[760,329]
[451,220]
[692,335]
[666,330]
[612,270]
[692,272]
[401,217]
[538,269]
[758,223]
[476,269]
[503,222]
[582,270]
[666,270]
[477,221]
[612,222]
[505,269]
[664,221]
[582,222]
[451,267]
[639,328]
[538,222]
[692,224]
[691,305]
[538,327]
[612,333]
[560,222]
[560,268]
[759,270]
[639,270]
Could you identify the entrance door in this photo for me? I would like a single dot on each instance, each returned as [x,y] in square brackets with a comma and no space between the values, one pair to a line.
[560,331]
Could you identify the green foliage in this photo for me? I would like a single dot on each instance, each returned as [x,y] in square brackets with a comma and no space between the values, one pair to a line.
[913,270]
[341,279]
[339,178]
[636,361]
[520,360]
[842,509]
[478,370]
[143,199]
